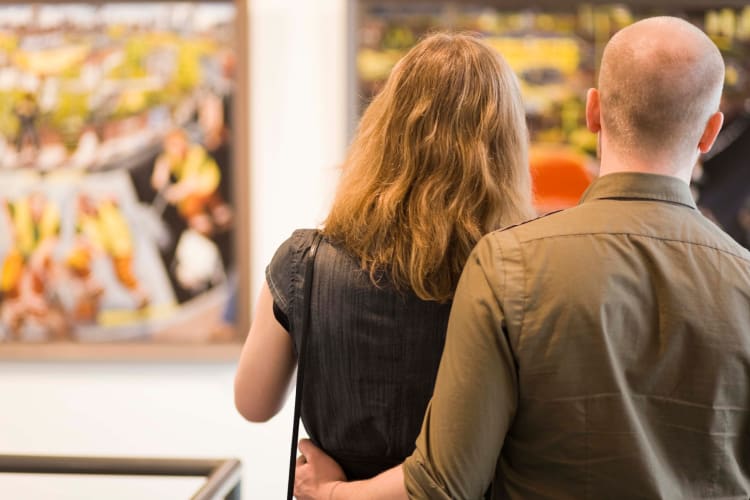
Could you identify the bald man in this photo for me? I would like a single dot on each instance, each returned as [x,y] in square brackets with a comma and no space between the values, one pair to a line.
[602,351]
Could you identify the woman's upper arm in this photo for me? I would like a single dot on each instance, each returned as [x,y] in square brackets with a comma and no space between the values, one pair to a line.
[266,364]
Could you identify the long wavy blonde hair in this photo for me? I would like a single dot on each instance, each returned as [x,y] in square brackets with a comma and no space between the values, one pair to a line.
[440,158]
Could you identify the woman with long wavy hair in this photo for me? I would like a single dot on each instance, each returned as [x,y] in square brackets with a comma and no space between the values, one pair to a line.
[439,160]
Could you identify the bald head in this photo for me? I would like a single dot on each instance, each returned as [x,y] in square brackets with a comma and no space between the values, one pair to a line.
[660,82]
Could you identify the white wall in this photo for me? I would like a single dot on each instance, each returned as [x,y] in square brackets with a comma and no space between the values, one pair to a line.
[298,56]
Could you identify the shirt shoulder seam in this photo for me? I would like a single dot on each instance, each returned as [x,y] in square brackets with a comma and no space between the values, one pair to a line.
[625,233]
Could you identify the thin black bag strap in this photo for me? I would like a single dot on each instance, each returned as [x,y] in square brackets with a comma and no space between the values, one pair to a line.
[304,333]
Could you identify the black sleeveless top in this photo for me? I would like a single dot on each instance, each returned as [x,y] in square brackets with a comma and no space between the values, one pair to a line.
[373,355]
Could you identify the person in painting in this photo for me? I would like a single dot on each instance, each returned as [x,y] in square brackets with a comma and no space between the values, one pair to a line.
[86,289]
[186,176]
[28,270]
[211,119]
[101,229]
[26,110]
[440,158]
[33,222]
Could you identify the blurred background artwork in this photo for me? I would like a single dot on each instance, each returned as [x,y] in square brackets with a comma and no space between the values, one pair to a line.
[555,47]
[117,212]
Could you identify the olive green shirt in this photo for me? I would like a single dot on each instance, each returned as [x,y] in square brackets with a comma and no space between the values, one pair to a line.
[598,352]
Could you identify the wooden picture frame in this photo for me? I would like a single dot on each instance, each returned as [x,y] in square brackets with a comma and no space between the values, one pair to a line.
[124,180]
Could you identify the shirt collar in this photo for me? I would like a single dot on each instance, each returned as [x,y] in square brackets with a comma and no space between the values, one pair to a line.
[639,186]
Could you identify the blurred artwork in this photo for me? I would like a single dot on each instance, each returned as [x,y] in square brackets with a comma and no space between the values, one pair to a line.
[722,181]
[116,200]
[555,52]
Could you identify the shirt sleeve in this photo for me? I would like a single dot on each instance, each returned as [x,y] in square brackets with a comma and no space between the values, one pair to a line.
[283,277]
[279,275]
[280,317]
[475,395]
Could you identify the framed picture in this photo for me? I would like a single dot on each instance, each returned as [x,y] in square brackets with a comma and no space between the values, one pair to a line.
[123,182]
[554,47]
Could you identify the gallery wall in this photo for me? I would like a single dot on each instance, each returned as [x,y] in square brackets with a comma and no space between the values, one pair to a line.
[298,129]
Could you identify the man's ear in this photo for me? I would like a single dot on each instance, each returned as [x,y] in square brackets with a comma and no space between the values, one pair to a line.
[713,126]
[593,116]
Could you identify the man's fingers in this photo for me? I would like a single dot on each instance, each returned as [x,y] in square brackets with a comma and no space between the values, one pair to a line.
[308,449]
